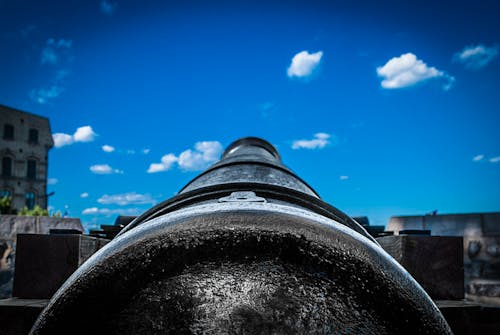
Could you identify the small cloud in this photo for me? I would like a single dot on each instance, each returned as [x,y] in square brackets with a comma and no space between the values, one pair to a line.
[146,151]
[476,57]
[82,134]
[204,154]
[61,139]
[495,159]
[84,195]
[44,95]
[108,212]
[108,7]
[55,50]
[266,108]
[49,56]
[60,44]
[91,210]
[108,148]
[166,164]
[478,158]
[104,169]
[319,141]
[52,181]
[303,64]
[130,152]
[125,199]
[56,53]
[406,70]
[344,177]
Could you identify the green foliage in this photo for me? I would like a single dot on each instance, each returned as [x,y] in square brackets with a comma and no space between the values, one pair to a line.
[36,211]
[57,214]
[5,205]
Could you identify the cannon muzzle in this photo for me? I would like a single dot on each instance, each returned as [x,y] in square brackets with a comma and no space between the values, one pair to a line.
[247,247]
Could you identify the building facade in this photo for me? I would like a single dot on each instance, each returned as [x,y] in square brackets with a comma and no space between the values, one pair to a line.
[25,141]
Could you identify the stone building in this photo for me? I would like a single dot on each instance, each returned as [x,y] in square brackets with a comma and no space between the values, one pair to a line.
[25,140]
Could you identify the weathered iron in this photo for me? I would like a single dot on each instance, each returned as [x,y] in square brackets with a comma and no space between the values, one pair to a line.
[246,247]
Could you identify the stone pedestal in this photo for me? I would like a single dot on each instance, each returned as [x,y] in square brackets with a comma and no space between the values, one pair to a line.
[44,262]
[436,262]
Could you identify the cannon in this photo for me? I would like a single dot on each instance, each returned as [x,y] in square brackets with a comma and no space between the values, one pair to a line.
[246,247]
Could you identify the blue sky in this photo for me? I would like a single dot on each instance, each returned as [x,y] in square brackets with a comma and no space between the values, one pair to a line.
[385,108]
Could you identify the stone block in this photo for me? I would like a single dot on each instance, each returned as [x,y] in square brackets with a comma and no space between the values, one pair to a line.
[44,262]
[436,262]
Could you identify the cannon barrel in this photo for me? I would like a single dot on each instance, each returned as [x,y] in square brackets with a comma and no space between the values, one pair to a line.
[247,247]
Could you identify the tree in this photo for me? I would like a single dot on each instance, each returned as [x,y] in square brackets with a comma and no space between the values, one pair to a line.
[5,205]
[36,211]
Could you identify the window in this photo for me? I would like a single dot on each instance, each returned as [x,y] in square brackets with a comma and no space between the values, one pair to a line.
[33,136]
[6,166]
[30,200]
[31,169]
[8,132]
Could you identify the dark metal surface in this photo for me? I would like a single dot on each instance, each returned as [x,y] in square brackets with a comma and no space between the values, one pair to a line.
[253,160]
[242,258]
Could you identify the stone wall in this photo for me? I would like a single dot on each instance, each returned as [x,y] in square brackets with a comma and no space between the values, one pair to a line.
[11,225]
[481,246]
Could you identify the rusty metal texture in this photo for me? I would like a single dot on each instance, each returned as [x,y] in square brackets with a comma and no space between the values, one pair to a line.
[245,255]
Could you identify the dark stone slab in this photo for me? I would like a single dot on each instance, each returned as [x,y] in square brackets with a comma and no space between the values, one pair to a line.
[436,262]
[468,318]
[17,316]
[44,262]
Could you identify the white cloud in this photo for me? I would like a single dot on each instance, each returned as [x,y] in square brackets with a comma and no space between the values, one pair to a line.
[61,139]
[109,212]
[84,195]
[58,55]
[45,94]
[476,57]
[477,158]
[126,199]
[52,181]
[104,169]
[319,141]
[82,134]
[204,154]
[166,164]
[91,210]
[108,7]
[61,43]
[480,158]
[108,148]
[406,70]
[54,50]
[303,64]
[344,177]
[49,56]
[146,151]
[157,167]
